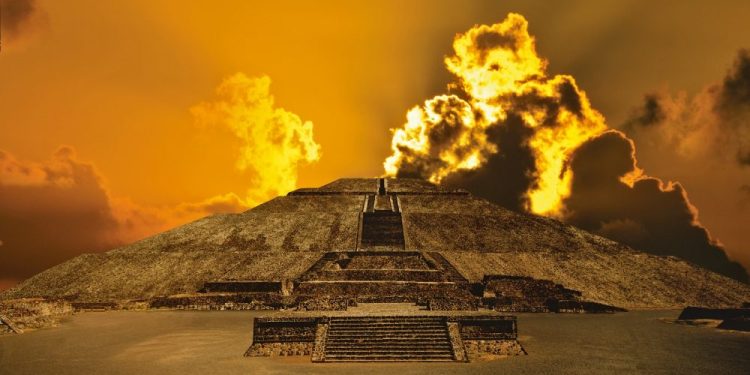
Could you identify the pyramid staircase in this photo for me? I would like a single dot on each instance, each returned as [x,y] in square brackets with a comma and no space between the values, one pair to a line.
[388,339]
[382,228]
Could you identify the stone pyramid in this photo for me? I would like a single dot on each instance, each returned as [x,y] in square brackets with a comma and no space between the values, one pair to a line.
[380,240]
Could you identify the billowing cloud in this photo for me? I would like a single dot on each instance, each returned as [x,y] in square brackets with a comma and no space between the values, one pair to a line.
[274,141]
[59,208]
[704,140]
[51,211]
[532,142]
[503,91]
[56,209]
[645,213]
[715,123]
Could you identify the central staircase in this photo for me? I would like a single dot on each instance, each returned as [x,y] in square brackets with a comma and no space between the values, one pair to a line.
[388,339]
[382,228]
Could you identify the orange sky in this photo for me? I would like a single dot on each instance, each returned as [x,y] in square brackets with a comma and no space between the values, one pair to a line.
[115,80]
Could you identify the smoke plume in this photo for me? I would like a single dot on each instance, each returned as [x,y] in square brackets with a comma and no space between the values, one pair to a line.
[532,142]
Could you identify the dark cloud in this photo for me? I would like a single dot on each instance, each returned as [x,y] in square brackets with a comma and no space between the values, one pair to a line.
[548,135]
[651,113]
[569,97]
[734,98]
[18,17]
[50,212]
[744,199]
[54,210]
[648,216]
[714,123]
[506,175]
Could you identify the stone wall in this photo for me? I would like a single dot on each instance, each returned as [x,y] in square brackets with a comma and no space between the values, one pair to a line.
[25,314]
[256,301]
[324,303]
[243,286]
[288,337]
[487,327]
[482,348]
[457,344]
[280,349]
[267,330]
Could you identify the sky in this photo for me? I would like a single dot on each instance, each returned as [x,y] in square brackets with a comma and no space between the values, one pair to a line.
[120,119]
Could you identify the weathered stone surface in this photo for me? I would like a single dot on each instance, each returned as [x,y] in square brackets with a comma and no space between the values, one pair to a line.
[21,315]
[321,335]
[459,349]
[281,239]
[280,349]
[480,348]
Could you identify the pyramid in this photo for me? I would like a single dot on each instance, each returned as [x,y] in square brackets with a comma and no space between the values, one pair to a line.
[292,241]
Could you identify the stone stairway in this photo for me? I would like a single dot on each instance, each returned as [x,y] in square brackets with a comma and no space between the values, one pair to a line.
[388,339]
[382,228]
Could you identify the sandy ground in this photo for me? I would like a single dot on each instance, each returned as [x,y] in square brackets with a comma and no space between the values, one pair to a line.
[193,342]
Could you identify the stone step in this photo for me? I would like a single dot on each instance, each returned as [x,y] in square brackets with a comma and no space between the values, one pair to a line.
[402,337]
[413,337]
[388,358]
[382,228]
[389,321]
[400,343]
[388,346]
[425,324]
[392,338]
[405,318]
[367,351]
[403,343]
[387,325]
[389,333]
[389,328]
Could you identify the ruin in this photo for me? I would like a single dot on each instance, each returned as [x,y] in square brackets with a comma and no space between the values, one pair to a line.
[735,319]
[379,270]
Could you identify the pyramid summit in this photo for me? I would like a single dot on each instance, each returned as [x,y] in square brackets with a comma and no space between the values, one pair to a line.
[282,241]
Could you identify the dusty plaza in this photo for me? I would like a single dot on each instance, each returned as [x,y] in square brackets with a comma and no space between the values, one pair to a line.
[200,342]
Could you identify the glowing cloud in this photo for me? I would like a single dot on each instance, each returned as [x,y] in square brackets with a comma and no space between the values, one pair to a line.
[500,75]
[274,141]
[532,142]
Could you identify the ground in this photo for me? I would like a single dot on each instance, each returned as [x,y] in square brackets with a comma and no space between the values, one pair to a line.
[200,342]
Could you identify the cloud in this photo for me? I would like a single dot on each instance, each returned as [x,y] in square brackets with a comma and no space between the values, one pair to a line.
[19,18]
[53,210]
[532,142]
[650,214]
[508,118]
[274,141]
[714,124]
[703,139]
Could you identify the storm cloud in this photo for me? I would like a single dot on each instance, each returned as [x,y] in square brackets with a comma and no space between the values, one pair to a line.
[53,210]
[532,142]
[650,215]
